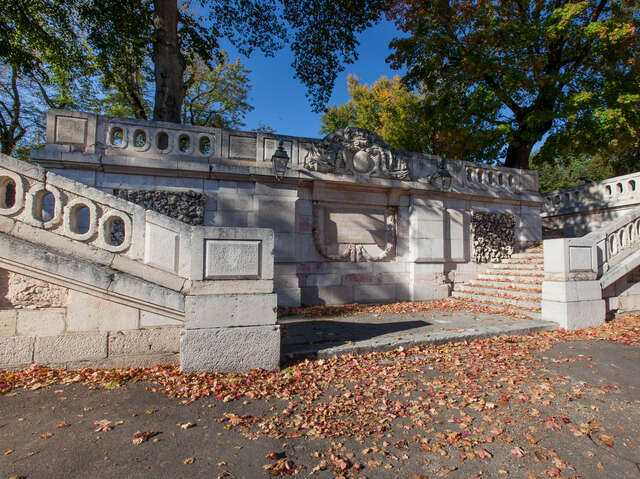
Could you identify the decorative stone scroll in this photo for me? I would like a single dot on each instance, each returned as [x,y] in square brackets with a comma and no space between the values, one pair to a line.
[355,251]
[493,236]
[358,152]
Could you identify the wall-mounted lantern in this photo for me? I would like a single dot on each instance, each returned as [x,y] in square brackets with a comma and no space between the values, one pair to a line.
[280,160]
[441,179]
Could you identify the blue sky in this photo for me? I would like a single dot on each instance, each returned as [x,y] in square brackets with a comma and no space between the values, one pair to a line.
[279,99]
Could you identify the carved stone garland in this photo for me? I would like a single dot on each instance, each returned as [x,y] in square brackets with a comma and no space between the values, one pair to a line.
[355,252]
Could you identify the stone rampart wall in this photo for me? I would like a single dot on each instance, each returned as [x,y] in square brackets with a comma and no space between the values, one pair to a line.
[354,220]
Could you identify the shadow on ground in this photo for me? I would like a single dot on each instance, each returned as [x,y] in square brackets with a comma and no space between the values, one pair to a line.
[321,332]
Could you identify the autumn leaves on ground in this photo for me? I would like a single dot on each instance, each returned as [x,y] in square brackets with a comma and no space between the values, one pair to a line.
[497,407]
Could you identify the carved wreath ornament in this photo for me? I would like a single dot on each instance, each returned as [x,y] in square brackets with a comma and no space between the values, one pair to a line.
[358,152]
[354,252]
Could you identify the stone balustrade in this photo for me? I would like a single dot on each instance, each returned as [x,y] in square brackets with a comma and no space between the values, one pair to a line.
[606,193]
[581,209]
[616,240]
[128,277]
[492,177]
[116,143]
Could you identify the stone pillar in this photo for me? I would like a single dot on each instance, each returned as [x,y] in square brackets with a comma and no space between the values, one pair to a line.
[230,333]
[571,294]
[230,307]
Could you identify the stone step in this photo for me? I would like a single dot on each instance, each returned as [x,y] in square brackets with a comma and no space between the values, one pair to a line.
[500,283]
[521,273]
[523,260]
[504,288]
[505,300]
[517,266]
[502,307]
[515,278]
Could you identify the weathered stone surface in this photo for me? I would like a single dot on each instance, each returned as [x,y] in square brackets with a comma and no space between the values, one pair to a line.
[16,351]
[229,310]
[152,320]
[21,291]
[70,347]
[230,349]
[327,295]
[90,313]
[232,259]
[162,247]
[41,322]
[146,341]
[8,322]
[576,314]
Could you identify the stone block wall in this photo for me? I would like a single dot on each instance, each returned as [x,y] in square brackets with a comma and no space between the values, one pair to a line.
[45,323]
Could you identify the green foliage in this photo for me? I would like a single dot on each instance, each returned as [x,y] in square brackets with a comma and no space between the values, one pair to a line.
[527,69]
[575,170]
[38,38]
[217,96]
[421,122]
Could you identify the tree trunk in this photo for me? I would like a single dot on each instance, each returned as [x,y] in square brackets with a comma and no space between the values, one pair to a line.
[169,63]
[518,156]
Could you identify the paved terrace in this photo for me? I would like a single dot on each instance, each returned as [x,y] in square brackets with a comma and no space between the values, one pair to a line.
[323,332]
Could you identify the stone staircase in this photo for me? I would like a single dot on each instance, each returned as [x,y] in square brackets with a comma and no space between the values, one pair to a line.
[513,285]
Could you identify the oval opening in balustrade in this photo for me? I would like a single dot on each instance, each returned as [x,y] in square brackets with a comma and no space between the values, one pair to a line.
[556,199]
[139,139]
[621,240]
[117,137]
[469,174]
[632,185]
[609,191]
[205,145]
[44,206]
[612,244]
[162,141]
[114,231]
[500,179]
[184,143]
[490,178]
[7,192]
[511,180]
[80,219]
[576,195]
[567,197]
[479,176]
[630,234]
[619,186]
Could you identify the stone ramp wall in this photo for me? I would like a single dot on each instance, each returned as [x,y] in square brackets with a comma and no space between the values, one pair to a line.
[589,277]
[88,279]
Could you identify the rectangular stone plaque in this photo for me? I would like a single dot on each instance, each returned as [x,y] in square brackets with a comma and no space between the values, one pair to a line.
[242,147]
[232,259]
[71,130]
[350,227]
[161,247]
[271,145]
[580,258]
